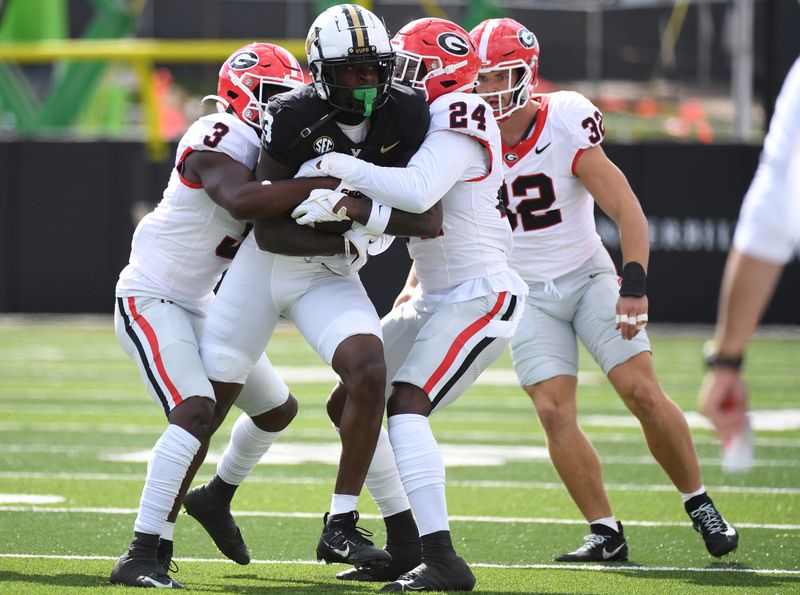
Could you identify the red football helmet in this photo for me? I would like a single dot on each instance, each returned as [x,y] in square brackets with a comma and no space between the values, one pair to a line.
[505,44]
[251,76]
[436,56]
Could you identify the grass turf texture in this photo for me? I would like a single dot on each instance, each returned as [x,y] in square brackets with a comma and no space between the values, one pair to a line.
[72,410]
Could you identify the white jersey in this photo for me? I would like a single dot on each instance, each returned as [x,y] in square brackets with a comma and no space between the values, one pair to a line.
[769,223]
[180,250]
[550,211]
[475,242]
[469,256]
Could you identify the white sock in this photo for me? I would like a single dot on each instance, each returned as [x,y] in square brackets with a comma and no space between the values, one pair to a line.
[383,479]
[687,497]
[247,445]
[609,521]
[421,468]
[169,461]
[168,531]
[343,503]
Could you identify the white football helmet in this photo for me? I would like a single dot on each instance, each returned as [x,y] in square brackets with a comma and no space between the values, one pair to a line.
[348,34]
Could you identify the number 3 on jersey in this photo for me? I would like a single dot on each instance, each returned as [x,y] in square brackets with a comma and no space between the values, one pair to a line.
[532,213]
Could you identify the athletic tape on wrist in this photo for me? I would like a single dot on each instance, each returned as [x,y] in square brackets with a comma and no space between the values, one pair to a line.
[347,248]
[378,218]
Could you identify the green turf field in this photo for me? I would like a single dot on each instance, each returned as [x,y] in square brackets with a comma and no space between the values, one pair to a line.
[76,426]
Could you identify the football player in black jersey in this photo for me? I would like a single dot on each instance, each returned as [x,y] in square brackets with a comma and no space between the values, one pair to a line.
[349,107]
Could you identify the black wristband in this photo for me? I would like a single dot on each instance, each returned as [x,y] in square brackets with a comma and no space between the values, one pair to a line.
[715,359]
[634,280]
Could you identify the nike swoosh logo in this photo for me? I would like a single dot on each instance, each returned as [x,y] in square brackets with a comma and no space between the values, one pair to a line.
[607,554]
[344,552]
[538,150]
[385,149]
[154,583]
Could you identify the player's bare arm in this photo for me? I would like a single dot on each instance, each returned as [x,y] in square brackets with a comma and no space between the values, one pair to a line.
[610,189]
[232,186]
[401,223]
[280,234]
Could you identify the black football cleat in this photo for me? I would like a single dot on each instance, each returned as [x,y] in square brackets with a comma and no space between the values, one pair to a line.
[718,534]
[343,542]
[599,547]
[435,575]
[403,560]
[139,566]
[218,522]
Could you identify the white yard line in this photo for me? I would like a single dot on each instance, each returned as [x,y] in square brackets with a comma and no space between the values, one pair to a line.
[591,567]
[504,437]
[487,484]
[455,518]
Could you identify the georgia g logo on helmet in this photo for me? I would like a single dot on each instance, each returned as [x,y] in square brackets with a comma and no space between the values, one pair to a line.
[243,61]
[453,43]
[526,38]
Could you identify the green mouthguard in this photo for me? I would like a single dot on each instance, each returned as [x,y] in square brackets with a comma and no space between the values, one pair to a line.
[367,97]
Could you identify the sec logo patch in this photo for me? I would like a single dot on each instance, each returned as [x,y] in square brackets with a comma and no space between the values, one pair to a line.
[323,144]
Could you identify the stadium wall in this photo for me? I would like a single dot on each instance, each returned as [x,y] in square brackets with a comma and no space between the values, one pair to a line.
[68,210]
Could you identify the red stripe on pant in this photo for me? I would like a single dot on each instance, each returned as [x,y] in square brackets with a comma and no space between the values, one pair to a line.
[152,341]
[460,341]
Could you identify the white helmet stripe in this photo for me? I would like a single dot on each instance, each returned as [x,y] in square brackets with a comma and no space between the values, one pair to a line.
[487,34]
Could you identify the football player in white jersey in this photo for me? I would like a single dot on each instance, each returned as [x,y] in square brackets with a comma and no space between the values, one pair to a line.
[309,277]
[468,301]
[767,237]
[555,171]
[179,253]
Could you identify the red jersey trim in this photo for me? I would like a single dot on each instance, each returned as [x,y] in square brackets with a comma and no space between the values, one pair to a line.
[488,147]
[525,146]
[184,181]
[575,161]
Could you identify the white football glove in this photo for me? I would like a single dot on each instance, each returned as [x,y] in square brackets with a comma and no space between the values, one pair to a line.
[310,169]
[380,244]
[319,207]
[361,238]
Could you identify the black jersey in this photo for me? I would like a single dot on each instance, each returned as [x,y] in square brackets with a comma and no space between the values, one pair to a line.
[396,129]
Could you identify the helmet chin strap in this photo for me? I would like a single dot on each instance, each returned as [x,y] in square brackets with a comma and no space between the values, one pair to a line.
[367,97]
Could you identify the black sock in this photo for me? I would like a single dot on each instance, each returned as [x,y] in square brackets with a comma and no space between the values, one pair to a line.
[437,546]
[220,492]
[602,529]
[401,530]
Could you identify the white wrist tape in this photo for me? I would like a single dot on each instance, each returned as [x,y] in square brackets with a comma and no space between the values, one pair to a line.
[347,248]
[378,218]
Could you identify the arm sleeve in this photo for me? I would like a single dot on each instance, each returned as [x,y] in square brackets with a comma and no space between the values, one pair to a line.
[441,161]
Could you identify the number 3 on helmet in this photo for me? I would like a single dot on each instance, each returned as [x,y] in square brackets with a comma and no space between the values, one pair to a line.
[505,44]
[436,56]
[251,75]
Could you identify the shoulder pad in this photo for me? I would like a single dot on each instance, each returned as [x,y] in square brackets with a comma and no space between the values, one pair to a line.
[578,118]
[222,133]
